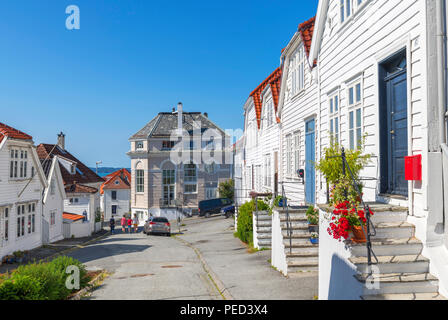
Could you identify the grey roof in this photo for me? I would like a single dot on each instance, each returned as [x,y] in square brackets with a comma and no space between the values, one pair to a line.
[164,123]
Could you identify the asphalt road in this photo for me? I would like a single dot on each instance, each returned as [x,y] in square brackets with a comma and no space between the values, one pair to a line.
[162,268]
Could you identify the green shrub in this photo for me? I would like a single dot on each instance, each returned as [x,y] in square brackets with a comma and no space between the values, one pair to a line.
[245,223]
[312,215]
[21,287]
[42,281]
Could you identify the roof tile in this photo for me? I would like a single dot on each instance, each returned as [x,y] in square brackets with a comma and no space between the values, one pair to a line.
[12,133]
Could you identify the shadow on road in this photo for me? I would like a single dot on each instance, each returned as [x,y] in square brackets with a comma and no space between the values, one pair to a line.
[101,250]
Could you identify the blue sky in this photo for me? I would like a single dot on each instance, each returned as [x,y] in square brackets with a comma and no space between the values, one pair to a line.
[132,59]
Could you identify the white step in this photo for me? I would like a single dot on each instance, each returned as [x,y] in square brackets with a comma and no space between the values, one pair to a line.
[395,264]
[401,283]
[264,229]
[261,224]
[303,260]
[264,218]
[295,225]
[264,236]
[389,216]
[408,296]
[389,247]
[298,241]
[302,267]
[396,230]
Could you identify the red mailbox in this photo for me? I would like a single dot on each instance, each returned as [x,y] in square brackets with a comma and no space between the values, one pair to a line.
[413,168]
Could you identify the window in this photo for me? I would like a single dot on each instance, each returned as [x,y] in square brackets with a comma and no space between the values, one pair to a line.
[139,145]
[5,229]
[298,70]
[296,151]
[269,107]
[21,220]
[289,152]
[210,193]
[114,195]
[140,181]
[190,178]
[18,164]
[210,168]
[72,168]
[335,120]
[267,170]
[53,217]
[167,145]
[355,115]
[73,200]
[114,209]
[349,7]
[168,181]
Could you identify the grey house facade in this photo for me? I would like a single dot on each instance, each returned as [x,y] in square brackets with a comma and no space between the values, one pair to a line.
[173,172]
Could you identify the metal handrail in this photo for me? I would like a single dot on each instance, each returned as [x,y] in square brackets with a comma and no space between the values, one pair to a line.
[288,221]
[369,225]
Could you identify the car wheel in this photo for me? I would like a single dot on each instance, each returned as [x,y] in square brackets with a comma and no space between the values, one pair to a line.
[207,215]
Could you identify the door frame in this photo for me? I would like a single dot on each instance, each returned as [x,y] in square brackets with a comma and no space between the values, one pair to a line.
[382,56]
[307,120]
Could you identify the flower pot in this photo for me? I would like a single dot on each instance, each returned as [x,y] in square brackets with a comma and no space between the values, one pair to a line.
[313,228]
[314,240]
[359,234]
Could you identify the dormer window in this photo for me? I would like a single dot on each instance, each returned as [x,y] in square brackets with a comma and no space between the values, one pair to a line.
[73,168]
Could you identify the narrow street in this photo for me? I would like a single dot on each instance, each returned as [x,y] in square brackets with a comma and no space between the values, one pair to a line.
[158,267]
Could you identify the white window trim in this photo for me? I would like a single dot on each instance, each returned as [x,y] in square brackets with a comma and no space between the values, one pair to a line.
[296,141]
[136,181]
[354,10]
[289,155]
[298,67]
[334,115]
[356,105]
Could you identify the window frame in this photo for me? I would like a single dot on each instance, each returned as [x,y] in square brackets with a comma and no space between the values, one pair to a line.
[298,71]
[357,105]
[334,117]
[140,181]
[191,179]
[289,154]
[296,143]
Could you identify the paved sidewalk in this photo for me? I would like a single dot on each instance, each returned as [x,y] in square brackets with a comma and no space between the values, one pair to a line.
[247,276]
[50,250]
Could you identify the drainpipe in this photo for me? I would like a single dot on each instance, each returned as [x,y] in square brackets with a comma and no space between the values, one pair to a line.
[441,68]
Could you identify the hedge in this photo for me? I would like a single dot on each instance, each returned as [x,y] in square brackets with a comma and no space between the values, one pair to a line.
[245,224]
[41,281]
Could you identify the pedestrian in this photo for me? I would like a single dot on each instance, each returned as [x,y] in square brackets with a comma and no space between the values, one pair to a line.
[123,224]
[112,225]
[135,221]
[130,225]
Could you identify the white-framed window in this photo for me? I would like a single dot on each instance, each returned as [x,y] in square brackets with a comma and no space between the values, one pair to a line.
[31,226]
[139,145]
[140,181]
[18,164]
[4,214]
[190,178]
[114,195]
[296,151]
[355,114]
[168,183]
[298,70]
[21,220]
[349,7]
[211,193]
[334,119]
[267,170]
[268,113]
[289,155]
[53,217]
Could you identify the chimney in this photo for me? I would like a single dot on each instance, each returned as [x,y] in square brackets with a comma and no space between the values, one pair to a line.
[206,114]
[180,117]
[61,140]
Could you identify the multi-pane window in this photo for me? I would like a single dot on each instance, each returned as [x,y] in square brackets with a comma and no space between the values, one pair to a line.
[31,218]
[289,153]
[18,163]
[298,70]
[21,220]
[140,181]
[334,116]
[114,209]
[190,178]
[52,186]
[5,227]
[349,7]
[53,217]
[355,115]
[267,170]
[168,181]
[269,113]
[114,195]
[296,151]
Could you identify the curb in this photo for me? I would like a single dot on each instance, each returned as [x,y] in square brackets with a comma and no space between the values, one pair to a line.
[76,247]
[88,288]
[216,281]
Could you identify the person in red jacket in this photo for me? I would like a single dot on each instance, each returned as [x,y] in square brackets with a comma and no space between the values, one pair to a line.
[130,225]
[123,224]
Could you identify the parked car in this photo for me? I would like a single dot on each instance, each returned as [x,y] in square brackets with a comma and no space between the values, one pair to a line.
[213,206]
[159,225]
[228,211]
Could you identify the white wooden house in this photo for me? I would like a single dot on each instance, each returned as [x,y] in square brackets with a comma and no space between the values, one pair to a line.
[116,195]
[376,65]
[298,111]
[53,202]
[22,182]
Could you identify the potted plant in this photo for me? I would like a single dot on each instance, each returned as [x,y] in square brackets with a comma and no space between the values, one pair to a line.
[314,239]
[312,215]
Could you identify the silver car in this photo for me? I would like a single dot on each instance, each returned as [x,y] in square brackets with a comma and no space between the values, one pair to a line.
[157,225]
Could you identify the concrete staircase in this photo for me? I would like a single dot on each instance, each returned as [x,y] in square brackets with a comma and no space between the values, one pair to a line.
[301,254]
[403,271]
[264,230]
